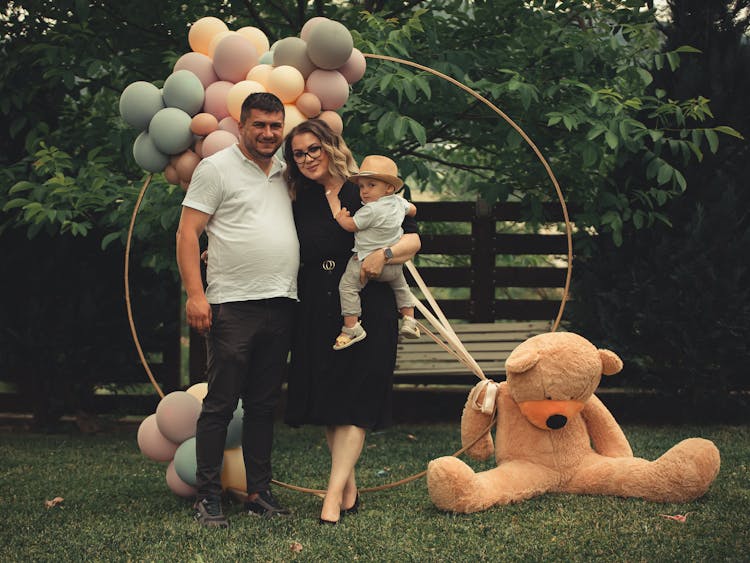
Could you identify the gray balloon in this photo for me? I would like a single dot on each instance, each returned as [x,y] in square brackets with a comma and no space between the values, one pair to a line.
[147,155]
[292,51]
[184,90]
[170,130]
[329,45]
[139,102]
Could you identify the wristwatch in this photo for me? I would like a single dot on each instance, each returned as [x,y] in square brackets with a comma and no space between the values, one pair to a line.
[388,253]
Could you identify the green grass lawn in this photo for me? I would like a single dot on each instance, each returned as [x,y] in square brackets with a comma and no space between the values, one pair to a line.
[117,507]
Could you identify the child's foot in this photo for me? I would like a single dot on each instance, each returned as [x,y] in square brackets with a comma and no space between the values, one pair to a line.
[349,336]
[409,328]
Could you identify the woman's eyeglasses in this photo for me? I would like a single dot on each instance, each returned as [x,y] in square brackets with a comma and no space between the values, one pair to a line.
[313,152]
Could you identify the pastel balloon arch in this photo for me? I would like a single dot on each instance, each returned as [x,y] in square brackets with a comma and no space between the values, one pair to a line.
[438,320]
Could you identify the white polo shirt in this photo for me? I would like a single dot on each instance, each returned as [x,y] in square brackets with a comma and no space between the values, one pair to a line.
[253,247]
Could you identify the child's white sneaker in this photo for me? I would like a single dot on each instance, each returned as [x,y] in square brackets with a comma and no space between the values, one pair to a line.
[409,328]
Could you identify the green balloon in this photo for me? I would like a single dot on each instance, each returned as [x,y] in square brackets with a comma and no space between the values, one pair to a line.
[139,102]
[185,463]
[170,130]
[292,51]
[147,155]
[329,45]
[184,90]
[234,430]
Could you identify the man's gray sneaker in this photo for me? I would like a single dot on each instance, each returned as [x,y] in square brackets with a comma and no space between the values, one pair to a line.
[208,513]
[265,505]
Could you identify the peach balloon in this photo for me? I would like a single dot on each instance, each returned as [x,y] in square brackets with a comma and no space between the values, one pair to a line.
[200,65]
[203,31]
[256,37]
[286,82]
[234,57]
[152,443]
[216,39]
[170,175]
[333,120]
[309,25]
[354,68]
[233,475]
[198,390]
[237,94]
[216,141]
[330,87]
[203,123]
[309,104]
[259,73]
[177,485]
[216,99]
[292,117]
[186,164]
[230,124]
[198,147]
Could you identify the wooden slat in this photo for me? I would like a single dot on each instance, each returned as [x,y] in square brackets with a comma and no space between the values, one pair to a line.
[529,277]
[517,244]
[446,244]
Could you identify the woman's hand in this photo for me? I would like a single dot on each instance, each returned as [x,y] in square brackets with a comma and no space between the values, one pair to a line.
[403,251]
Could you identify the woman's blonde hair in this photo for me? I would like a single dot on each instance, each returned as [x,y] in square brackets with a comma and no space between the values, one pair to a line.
[341,163]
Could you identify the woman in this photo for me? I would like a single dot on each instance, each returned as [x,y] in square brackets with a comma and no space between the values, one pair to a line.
[347,391]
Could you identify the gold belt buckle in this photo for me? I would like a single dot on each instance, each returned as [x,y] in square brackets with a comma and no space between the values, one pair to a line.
[328,265]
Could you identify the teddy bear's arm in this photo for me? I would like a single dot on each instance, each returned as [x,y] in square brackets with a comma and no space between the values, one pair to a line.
[473,423]
[606,435]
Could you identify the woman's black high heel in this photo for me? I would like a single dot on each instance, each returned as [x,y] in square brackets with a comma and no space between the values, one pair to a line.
[353,509]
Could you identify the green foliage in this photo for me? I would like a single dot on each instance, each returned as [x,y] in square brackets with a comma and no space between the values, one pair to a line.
[117,507]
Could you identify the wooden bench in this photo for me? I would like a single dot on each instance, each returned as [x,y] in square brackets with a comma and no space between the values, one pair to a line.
[423,361]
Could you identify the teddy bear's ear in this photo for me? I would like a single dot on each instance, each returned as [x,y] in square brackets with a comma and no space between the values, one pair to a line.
[520,362]
[611,363]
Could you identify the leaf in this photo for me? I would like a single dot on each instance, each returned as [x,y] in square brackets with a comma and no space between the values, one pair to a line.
[729,131]
[296,547]
[645,76]
[107,240]
[13,203]
[665,174]
[680,179]
[418,131]
[611,139]
[399,128]
[52,503]
[713,140]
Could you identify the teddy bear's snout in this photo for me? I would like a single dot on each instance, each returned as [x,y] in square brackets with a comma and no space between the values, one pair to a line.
[550,415]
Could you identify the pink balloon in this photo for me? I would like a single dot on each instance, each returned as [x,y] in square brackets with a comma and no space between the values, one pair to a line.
[170,174]
[200,65]
[355,67]
[229,124]
[204,123]
[216,141]
[176,415]
[330,87]
[234,56]
[309,104]
[185,166]
[177,485]
[333,120]
[152,442]
[216,99]
[198,148]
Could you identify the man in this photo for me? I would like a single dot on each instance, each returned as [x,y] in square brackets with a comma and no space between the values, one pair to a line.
[239,197]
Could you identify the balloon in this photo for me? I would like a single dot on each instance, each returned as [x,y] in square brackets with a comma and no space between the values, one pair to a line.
[202,31]
[333,120]
[216,141]
[309,104]
[329,45]
[309,25]
[292,117]
[354,68]
[170,130]
[147,155]
[286,82]
[259,73]
[170,174]
[216,99]
[266,58]
[204,123]
[330,87]
[185,463]
[199,390]
[256,37]
[238,93]
[235,55]
[229,124]
[292,51]
[215,41]
[200,65]
[234,429]
[177,485]
[139,102]
[198,148]
[233,475]
[184,90]
[152,443]
[185,166]
[177,414]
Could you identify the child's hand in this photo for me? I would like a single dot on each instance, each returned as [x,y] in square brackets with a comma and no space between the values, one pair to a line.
[343,213]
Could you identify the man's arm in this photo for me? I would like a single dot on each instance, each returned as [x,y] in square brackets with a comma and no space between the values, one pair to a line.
[192,224]
[403,251]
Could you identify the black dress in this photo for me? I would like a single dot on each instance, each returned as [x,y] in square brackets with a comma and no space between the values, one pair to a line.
[354,385]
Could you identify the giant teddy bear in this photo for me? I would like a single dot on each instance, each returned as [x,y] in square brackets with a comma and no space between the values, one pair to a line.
[554,435]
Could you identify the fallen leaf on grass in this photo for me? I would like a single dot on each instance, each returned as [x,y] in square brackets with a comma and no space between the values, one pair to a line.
[54,502]
[411,436]
[678,517]
[296,547]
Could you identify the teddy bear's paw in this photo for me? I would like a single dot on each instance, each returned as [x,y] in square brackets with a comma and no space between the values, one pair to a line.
[449,480]
[688,469]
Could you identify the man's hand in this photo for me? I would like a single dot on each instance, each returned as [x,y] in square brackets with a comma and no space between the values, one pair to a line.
[372,266]
[199,314]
